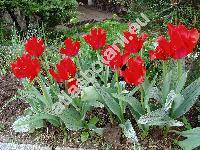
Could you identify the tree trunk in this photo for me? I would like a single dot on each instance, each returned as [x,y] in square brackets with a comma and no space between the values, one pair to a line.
[14,18]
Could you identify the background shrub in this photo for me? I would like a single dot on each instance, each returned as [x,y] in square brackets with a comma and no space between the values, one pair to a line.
[51,12]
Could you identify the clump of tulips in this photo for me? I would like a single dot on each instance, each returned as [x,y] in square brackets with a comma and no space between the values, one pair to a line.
[182,42]
[126,62]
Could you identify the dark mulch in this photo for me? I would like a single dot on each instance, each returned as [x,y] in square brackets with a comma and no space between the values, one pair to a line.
[9,110]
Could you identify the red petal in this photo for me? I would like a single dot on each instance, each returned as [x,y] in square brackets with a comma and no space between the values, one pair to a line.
[34,46]
[135,72]
[182,40]
[96,39]
[24,66]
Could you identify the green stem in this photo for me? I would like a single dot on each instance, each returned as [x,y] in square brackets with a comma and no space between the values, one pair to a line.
[78,61]
[107,75]
[141,52]
[117,80]
[44,91]
[142,97]
[179,69]
[121,102]
[111,117]
[166,131]
[65,134]
[164,68]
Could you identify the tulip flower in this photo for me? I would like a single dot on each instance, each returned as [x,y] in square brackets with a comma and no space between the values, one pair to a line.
[182,40]
[34,46]
[113,58]
[96,39]
[162,50]
[25,66]
[135,71]
[71,49]
[133,44]
[72,86]
[66,69]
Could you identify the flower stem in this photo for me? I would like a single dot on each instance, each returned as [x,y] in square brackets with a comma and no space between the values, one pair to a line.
[121,102]
[166,131]
[164,68]
[117,80]
[107,75]
[78,61]
[44,91]
[179,69]
[142,97]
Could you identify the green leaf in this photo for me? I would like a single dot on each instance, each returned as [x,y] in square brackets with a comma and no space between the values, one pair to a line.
[30,122]
[153,116]
[147,86]
[72,119]
[193,139]
[131,93]
[190,94]
[132,101]
[27,124]
[170,99]
[2,127]
[84,136]
[159,113]
[99,131]
[90,94]
[181,83]
[179,99]
[130,133]
[159,117]
[166,121]
[96,104]
[45,91]
[166,86]
[33,98]
[106,98]
[55,123]
[186,123]
[68,99]
[110,101]
[85,108]
[154,93]
[91,97]
[94,120]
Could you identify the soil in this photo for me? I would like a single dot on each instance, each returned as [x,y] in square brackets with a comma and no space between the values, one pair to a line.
[88,15]
[52,136]
[49,136]
[91,13]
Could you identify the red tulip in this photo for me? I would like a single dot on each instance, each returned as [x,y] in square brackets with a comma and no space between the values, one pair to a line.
[34,46]
[72,86]
[113,58]
[25,66]
[182,40]
[71,49]
[135,71]
[162,50]
[133,44]
[66,69]
[96,39]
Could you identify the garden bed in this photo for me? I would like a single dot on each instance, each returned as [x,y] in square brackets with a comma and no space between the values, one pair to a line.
[101,82]
[54,137]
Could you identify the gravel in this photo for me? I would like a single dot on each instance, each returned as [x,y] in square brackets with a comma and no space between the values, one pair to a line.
[13,146]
